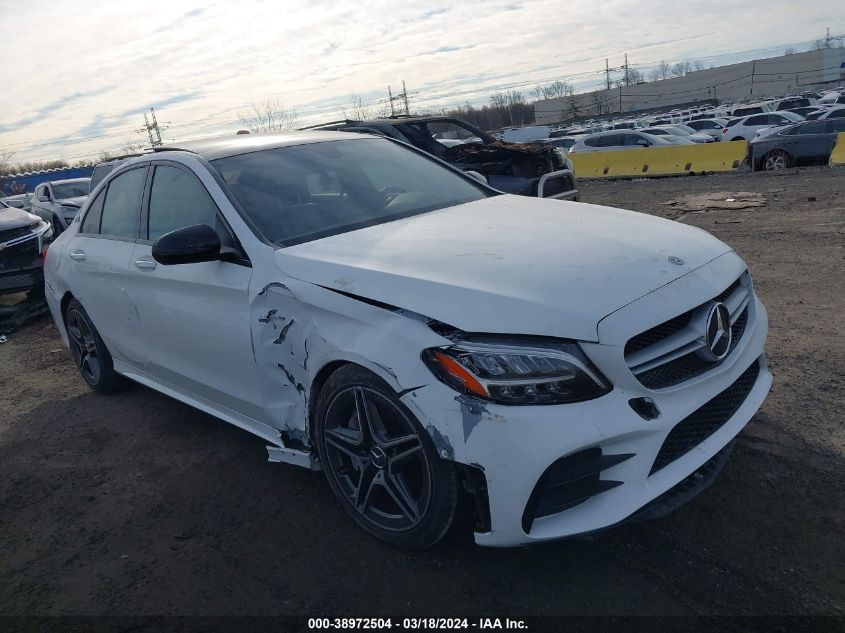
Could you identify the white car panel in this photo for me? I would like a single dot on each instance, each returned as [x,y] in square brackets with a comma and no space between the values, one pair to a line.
[467,265]
[248,343]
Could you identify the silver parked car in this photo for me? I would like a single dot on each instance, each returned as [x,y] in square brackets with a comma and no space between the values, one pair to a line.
[616,139]
[679,130]
[59,201]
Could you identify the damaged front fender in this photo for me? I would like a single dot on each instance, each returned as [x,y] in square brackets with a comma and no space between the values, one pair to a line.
[299,328]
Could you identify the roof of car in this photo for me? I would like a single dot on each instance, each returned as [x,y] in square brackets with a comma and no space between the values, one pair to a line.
[390,120]
[68,180]
[235,144]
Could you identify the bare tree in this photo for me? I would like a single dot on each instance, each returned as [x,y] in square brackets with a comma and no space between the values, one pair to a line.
[789,51]
[680,69]
[516,101]
[538,92]
[601,101]
[5,157]
[270,115]
[560,88]
[698,65]
[663,71]
[358,110]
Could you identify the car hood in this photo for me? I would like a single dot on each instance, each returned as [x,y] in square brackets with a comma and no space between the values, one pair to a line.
[507,264]
[13,218]
[73,202]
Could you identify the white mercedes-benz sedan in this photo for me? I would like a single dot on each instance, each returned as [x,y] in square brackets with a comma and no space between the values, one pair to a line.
[430,343]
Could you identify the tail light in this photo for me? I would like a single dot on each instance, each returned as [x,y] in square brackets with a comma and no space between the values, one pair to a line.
[44,256]
[725,131]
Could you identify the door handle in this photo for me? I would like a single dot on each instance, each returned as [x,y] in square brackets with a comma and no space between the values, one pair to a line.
[145,264]
[78,256]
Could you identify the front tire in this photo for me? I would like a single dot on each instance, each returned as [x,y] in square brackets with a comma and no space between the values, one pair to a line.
[381,464]
[89,352]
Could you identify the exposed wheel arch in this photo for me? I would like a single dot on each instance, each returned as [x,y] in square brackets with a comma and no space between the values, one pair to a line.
[316,386]
[63,304]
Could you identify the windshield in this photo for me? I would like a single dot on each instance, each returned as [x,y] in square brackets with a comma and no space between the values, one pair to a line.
[307,192]
[70,189]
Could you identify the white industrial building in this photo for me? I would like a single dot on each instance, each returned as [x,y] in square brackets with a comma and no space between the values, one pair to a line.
[746,81]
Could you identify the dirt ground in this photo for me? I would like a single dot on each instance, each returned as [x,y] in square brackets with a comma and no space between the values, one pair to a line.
[137,504]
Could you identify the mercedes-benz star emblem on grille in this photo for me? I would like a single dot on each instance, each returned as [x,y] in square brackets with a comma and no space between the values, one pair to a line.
[717,335]
[675,260]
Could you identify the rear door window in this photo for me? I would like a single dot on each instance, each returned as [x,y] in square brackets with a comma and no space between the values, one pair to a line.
[122,206]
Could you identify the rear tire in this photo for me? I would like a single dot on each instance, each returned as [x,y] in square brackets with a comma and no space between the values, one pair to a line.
[89,352]
[385,471]
[776,160]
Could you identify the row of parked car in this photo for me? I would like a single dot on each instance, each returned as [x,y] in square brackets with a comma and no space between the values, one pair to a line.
[801,131]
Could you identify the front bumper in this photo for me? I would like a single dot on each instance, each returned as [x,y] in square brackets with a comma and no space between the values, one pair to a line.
[21,264]
[515,445]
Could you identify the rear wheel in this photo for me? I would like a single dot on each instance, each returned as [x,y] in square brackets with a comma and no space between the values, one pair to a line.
[381,464]
[88,350]
[775,160]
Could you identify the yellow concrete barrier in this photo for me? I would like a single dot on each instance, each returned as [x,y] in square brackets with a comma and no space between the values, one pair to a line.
[660,161]
[837,156]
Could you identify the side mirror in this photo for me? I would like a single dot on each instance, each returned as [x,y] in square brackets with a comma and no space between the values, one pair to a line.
[478,176]
[191,245]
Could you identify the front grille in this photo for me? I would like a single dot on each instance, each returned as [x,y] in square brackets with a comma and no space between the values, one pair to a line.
[10,234]
[706,420]
[570,481]
[690,365]
[19,256]
[666,354]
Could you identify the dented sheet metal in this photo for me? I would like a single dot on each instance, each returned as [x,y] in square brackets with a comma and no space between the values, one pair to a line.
[299,327]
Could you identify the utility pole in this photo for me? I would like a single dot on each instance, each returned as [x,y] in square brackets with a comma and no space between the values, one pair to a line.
[405,94]
[152,128]
[607,72]
[753,70]
[625,77]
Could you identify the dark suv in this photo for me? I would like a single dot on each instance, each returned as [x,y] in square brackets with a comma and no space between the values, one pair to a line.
[528,169]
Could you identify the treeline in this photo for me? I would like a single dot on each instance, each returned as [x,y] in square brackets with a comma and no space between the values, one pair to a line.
[506,109]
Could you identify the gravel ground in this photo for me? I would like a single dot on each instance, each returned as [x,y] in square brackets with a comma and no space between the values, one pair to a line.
[137,504]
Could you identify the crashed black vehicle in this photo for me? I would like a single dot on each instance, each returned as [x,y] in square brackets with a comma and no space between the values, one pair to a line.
[528,169]
[23,239]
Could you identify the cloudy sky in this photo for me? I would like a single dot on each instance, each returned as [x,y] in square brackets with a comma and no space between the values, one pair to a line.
[78,75]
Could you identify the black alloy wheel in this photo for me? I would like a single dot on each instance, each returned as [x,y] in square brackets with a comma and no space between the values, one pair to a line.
[88,350]
[381,463]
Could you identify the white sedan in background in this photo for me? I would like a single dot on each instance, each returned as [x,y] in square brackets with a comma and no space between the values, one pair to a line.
[426,341]
[746,128]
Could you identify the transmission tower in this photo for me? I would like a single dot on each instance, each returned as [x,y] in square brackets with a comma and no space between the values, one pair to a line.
[398,102]
[152,128]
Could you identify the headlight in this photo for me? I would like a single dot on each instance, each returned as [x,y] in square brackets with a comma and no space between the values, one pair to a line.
[518,370]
